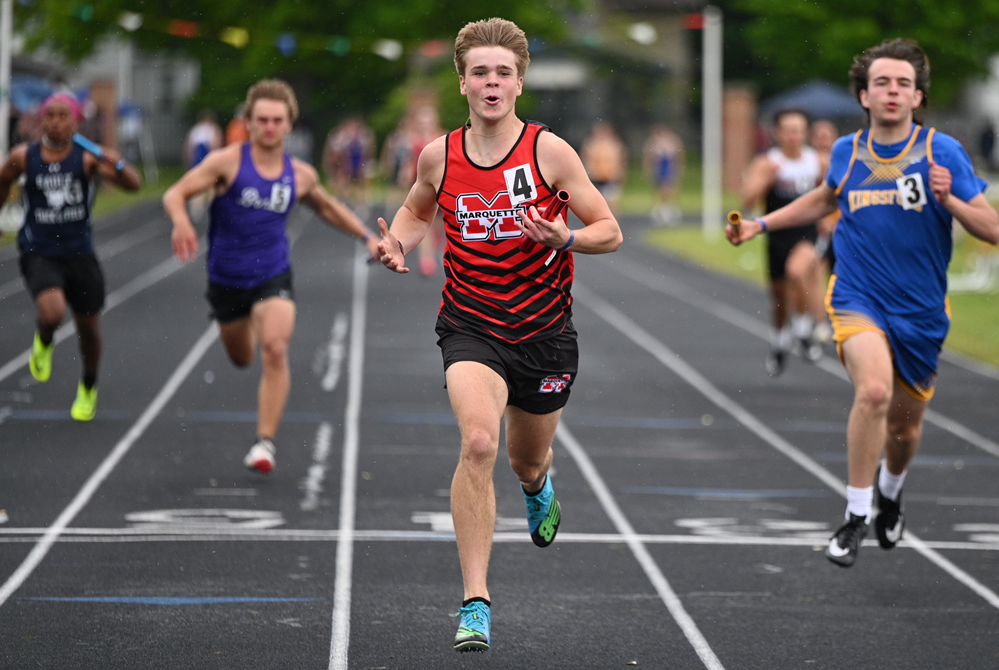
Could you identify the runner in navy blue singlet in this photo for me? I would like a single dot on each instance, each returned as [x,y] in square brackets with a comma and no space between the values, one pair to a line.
[56,241]
[249,271]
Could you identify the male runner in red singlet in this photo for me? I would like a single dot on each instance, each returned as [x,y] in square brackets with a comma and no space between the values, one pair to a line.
[505,323]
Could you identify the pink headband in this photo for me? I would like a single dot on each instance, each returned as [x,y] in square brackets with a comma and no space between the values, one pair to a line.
[68,100]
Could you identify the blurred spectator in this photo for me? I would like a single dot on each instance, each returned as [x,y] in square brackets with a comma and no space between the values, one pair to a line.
[236,131]
[664,162]
[347,156]
[987,146]
[204,136]
[605,159]
[301,141]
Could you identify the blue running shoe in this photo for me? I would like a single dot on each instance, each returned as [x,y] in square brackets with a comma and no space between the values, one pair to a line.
[473,627]
[543,514]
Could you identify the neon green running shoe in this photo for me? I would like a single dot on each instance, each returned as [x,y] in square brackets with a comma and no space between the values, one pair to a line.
[85,406]
[40,361]
[543,514]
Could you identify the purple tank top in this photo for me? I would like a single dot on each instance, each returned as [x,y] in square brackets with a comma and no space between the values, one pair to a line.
[246,237]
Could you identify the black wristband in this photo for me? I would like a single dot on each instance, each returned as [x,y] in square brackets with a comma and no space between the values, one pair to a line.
[401,250]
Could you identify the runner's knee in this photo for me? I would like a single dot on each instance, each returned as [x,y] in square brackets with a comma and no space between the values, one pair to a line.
[479,446]
[873,396]
[274,352]
[528,470]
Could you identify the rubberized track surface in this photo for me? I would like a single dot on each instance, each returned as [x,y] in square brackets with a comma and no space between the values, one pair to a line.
[696,492]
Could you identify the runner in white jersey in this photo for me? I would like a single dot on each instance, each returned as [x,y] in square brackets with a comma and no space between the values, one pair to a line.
[778,177]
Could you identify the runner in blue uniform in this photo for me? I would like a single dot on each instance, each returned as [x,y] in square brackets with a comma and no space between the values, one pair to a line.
[56,240]
[900,187]
[249,273]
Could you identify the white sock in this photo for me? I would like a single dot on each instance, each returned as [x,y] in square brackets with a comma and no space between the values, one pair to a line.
[890,485]
[802,325]
[858,502]
[780,339]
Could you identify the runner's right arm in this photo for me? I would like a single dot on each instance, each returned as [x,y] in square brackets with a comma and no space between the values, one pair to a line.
[11,170]
[413,219]
[217,169]
[758,179]
[817,203]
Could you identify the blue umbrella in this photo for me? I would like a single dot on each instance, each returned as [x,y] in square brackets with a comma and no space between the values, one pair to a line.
[820,99]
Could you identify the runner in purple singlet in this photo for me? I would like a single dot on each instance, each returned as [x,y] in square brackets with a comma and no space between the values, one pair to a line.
[249,274]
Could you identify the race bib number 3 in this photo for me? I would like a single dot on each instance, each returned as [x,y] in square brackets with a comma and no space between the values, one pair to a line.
[520,184]
[911,192]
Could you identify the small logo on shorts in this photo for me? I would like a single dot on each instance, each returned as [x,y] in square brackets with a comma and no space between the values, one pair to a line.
[554,383]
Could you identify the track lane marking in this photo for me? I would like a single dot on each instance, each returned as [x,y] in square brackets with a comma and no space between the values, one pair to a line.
[637,547]
[95,480]
[632,331]
[750,324]
[340,638]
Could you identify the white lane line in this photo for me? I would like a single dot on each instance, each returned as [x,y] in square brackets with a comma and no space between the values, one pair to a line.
[334,353]
[104,251]
[746,322]
[105,535]
[115,298]
[312,485]
[138,284]
[642,555]
[53,532]
[624,325]
[340,640]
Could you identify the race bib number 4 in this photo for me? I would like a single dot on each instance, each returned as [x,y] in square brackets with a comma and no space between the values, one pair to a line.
[911,192]
[520,184]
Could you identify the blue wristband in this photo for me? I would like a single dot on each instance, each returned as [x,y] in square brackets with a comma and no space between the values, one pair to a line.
[120,165]
[763,224]
[572,238]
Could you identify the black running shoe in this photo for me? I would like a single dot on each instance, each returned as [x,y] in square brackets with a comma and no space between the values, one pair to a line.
[811,350]
[845,542]
[775,362]
[889,521]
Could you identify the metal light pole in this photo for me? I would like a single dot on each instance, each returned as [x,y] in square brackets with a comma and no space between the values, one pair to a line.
[6,37]
[711,124]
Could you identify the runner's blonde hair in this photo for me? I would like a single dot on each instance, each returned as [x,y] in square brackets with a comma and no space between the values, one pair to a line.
[492,32]
[271,89]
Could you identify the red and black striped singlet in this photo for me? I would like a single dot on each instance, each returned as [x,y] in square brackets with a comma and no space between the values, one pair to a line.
[491,287]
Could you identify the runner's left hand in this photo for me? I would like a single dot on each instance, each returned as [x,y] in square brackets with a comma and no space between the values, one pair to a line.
[940,182]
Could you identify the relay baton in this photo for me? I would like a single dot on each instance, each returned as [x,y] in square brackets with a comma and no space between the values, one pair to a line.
[95,149]
[735,218]
[558,204]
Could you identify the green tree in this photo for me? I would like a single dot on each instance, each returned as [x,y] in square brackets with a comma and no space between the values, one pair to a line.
[779,43]
[326,50]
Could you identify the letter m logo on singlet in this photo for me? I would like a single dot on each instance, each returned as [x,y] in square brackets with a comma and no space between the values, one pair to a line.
[479,217]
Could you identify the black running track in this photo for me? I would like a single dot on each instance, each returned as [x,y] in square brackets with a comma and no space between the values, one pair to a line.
[697,493]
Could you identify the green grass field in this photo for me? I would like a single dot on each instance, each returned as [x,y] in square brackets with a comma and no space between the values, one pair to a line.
[974,328]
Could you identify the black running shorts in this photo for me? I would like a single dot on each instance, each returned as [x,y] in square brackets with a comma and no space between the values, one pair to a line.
[79,277]
[781,242]
[538,375]
[231,304]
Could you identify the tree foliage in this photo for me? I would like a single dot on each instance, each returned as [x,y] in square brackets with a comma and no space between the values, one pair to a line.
[324,49]
[784,42]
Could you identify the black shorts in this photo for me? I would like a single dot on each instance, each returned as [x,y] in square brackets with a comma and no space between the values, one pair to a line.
[231,304]
[538,375]
[79,277]
[781,242]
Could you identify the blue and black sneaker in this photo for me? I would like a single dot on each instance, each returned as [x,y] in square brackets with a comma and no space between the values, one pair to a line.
[473,627]
[543,514]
